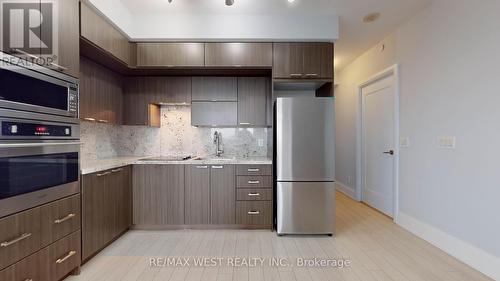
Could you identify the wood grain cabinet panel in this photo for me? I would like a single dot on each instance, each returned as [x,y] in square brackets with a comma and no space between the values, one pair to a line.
[20,236]
[223,194]
[238,54]
[158,194]
[94,28]
[170,54]
[93,214]
[288,60]
[303,60]
[254,212]
[215,89]
[254,182]
[64,256]
[60,218]
[318,60]
[252,100]
[34,267]
[254,170]
[254,194]
[197,194]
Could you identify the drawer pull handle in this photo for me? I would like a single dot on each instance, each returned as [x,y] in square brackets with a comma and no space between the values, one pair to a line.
[245,124]
[253,182]
[103,174]
[311,74]
[102,121]
[253,194]
[217,167]
[20,238]
[117,170]
[63,259]
[89,119]
[253,212]
[295,75]
[29,279]
[253,170]
[201,167]
[68,217]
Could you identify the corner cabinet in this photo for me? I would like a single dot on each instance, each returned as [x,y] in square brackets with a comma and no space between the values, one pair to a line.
[303,61]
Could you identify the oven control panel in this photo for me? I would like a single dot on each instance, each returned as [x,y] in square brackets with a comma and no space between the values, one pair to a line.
[33,129]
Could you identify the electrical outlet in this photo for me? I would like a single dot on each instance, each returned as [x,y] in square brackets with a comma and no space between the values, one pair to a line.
[404,142]
[446,142]
[260,142]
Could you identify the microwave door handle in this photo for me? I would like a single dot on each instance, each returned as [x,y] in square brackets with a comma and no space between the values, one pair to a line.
[12,145]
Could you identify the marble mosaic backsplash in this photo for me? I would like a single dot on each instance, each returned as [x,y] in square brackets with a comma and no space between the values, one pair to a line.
[175,137]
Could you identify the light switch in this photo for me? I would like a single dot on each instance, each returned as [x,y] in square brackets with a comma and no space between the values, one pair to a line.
[404,142]
[446,142]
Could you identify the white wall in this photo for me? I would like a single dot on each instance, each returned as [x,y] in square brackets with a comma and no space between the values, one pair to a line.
[450,86]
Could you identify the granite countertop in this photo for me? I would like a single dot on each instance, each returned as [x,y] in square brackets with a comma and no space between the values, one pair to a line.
[88,167]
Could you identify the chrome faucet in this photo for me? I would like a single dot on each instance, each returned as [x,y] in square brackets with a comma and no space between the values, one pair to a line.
[218,144]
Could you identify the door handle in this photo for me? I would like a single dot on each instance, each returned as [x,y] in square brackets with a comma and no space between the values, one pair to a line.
[391,152]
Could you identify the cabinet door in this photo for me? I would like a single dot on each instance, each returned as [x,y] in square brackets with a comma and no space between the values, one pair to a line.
[68,51]
[94,28]
[288,60]
[223,194]
[136,101]
[158,192]
[252,100]
[170,54]
[122,190]
[215,89]
[34,267]
[176,90]
[197,200]
[318,60]
[239,54]
[214,113]
[93,214]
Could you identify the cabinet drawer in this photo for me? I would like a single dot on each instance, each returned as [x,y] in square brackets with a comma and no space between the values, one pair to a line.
[60,218]
[34,267]
[20,236]
[64,256]
[254,194]
[254,170]
[254,212]
[254,182]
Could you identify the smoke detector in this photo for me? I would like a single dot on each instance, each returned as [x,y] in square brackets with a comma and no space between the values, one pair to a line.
[371,17]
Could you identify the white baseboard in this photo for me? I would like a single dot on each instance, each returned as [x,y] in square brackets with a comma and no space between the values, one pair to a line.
[346,190]
[477,258]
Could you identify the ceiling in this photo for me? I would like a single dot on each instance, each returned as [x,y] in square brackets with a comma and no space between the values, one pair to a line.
[355,36]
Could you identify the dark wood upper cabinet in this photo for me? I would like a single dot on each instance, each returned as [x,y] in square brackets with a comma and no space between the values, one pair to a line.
[303,61]
[223,194]
[170,90]
[252,100]
[136,102]
[197,194]
[238,54]
[214,89]
[170,54]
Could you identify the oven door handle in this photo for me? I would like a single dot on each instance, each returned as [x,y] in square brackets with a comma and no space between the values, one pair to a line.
[11,145]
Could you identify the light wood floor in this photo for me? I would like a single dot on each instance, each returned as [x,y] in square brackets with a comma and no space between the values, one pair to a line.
[376,247]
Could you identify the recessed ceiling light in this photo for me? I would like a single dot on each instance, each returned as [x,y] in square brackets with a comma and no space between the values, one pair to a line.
[291,1]
[371,17]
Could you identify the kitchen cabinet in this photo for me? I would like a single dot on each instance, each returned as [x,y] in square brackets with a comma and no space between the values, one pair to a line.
[64,256]
[106,205]
[103,35]
[214,114]
[197,194]
[214,89]
[223,194]
[303,60]
[254,213]
[158,194]
[238,54]
[34,267]
[252,100]
[170,54]
[60,218]
[101,93]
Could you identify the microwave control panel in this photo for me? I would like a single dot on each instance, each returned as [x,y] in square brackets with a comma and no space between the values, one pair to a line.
[33,129]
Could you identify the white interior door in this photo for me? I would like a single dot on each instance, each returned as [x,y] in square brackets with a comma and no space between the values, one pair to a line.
[378,115]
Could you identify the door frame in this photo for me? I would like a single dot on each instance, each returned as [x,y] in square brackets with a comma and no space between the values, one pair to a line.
[390,71]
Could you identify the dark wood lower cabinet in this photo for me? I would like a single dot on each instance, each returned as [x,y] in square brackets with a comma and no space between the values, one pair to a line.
[197,194]
[223,194]
[106,205]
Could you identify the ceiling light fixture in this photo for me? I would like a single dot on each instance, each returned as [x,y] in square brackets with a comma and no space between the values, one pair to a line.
[229,2]
[291,1]
[371,17]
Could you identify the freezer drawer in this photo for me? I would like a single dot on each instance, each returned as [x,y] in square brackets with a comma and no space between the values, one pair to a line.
[306,207]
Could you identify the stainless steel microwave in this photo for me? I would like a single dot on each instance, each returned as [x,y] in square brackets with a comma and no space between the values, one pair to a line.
[28,87]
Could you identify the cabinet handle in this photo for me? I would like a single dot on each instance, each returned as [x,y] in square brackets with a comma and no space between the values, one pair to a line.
[102,121]
[68,217]
[296,75]
[245,123]
[311,74]
[253,212]
[103,174]
[217,167]
[26,54]
[253,194]
[201,167]
[253,169]
[14,241]
[63,259]
[117,170]
[58,66]
[253,182]
[28,279]
[89,119]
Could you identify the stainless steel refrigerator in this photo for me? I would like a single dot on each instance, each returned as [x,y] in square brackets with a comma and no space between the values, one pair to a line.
[305,165]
